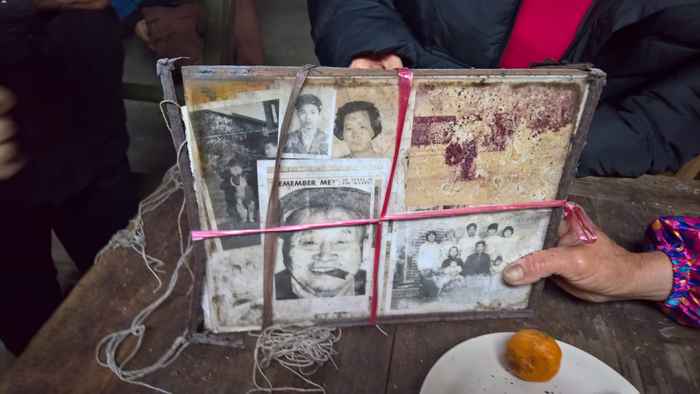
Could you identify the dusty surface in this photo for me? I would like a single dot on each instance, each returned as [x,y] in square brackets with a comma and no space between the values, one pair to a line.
[488,143]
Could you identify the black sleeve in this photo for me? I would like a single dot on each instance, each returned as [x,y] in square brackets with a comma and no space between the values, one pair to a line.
[657,129]
[15,23]
[343,29]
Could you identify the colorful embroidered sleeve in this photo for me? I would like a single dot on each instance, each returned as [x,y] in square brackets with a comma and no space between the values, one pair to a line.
[679,238]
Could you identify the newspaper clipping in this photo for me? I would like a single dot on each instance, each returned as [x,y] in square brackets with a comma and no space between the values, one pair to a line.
[454,264]
[322,274]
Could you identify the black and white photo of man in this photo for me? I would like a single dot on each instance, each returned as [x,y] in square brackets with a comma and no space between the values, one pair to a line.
[309,138]
[323,262]
[358,123]
[478,263]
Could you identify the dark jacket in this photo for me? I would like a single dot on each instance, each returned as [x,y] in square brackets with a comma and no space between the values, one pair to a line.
[477,264]
[71,123]
[649,116]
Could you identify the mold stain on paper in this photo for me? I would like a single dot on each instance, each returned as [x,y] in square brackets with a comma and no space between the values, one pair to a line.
[511,139]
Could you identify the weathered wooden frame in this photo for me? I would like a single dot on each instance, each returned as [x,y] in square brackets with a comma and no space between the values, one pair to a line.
[593,77]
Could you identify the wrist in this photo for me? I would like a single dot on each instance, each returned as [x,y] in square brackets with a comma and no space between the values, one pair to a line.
[652,276]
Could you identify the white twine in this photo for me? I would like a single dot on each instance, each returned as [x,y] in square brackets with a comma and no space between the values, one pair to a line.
[165,117]
[302,351]
[109,345]
[133,236]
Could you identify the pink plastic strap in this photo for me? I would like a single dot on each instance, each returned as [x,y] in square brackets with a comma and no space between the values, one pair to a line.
[580,222]
[399,217]
[571,212]
[405,81]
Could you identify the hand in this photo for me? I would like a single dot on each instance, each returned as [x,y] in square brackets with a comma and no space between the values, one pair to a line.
[10,159]
[71,4]
[598,272]
[387,62]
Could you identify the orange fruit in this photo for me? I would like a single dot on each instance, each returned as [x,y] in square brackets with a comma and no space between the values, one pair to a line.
[533,355]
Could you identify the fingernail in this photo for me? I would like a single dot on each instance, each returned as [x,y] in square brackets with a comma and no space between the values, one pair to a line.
[514,273]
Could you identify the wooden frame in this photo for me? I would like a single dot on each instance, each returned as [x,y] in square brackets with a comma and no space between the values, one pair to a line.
[593,78]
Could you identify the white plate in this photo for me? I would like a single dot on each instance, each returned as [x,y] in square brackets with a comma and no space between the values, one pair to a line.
[477,366]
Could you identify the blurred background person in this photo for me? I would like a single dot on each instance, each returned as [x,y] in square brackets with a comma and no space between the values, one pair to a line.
[64,126]
[646,121]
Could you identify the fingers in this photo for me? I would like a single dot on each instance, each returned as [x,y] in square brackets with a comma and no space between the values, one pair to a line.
[575,227]
[9,170]
[366,63]
[535,266]
[10,161]
[568,233]
[7,101]
[7,130]
[388,62]
[391,62]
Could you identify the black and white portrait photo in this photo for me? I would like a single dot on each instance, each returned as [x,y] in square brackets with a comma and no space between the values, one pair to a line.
[233,137]
[357,124]
[310,133]
[455,263]
[321,274]
[323,262]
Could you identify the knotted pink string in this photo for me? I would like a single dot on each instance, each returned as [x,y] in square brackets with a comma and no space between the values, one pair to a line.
[580,222]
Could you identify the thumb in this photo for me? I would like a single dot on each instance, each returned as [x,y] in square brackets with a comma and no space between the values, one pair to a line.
[535,266]
[7,100]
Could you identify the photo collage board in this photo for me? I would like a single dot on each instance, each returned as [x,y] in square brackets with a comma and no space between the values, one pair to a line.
[467,140]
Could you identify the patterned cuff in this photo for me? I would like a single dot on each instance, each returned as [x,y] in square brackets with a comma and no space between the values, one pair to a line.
[679,238]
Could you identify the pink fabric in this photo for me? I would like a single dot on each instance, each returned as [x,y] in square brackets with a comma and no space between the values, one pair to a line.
[543,30]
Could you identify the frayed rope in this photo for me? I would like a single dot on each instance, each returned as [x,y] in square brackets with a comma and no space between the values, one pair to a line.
[302,351]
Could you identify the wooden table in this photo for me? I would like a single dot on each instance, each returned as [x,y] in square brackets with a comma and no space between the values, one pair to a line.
[653,353]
